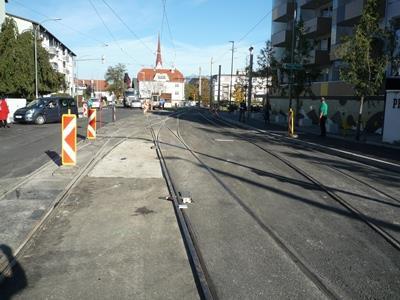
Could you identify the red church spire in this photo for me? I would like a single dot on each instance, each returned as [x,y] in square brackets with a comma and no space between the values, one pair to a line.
[159,59]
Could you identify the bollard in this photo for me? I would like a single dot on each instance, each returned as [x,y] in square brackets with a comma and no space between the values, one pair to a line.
[68,152]
[91,128]
[291,122]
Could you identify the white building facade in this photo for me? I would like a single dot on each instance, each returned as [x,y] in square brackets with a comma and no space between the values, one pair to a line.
[259,87]
[61,57]
[168,84]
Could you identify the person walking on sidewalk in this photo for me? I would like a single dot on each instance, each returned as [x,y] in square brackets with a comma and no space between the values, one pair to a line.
[4,111]
[242,111]
[323,114]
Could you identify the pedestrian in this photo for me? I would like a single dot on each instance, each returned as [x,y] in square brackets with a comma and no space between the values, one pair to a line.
[242,111]
[4,111]
[162,102]
[323,114]
[267,109]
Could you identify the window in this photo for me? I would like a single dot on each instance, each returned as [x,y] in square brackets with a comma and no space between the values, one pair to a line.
[176,84]
[176,92]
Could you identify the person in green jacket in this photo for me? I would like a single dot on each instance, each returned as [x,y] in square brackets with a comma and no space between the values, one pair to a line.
[323,115]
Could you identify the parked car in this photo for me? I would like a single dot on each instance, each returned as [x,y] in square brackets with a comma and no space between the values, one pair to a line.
[46,110]
[94,103]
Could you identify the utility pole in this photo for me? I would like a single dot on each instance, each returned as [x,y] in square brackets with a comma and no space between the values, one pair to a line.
[199,85]
[292,53]
[230,86]
[211,85]
[219,84]
[250,80]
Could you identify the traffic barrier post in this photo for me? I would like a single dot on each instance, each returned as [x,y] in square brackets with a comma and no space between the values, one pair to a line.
[91,128]
[69,132]
[85,110]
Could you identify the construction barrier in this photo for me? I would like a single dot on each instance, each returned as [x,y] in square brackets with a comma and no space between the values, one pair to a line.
[68,152]
[85,110]
[291,122]
[91,128]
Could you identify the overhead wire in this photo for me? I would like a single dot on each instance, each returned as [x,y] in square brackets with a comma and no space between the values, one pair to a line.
[110,32]
[169,30]
[61,22]
[127,27]
[246,34]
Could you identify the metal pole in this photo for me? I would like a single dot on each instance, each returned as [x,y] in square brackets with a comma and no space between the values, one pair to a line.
[211,85]
[230,86]
[219,84]
[292,54]
[199,85]
[250,79]
[36,64]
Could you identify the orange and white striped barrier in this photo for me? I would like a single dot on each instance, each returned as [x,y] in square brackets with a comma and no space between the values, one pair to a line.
[85,110]
[68,152]
[91,129]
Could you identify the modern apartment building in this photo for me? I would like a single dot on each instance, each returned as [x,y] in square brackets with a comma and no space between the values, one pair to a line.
[325,22]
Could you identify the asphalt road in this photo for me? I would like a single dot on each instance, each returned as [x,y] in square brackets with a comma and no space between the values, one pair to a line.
[265,231]
[26,147]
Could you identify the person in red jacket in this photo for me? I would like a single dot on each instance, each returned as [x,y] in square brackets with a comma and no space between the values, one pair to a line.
[4,113]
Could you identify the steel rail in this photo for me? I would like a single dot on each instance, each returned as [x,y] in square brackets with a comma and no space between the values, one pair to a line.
[199,270]
[382,232]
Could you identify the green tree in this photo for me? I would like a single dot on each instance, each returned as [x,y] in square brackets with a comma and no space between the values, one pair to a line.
[238,93]
[268,67]
[191,91]
[364,58]
[115,79]
[301,79]
[17,69]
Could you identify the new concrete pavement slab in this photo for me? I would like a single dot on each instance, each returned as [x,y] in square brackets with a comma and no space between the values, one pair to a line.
[114,236]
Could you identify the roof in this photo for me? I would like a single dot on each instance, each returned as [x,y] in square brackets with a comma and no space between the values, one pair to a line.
[96,84]
[148,74]
[44,28]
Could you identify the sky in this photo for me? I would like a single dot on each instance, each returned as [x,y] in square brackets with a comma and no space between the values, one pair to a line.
[126,31]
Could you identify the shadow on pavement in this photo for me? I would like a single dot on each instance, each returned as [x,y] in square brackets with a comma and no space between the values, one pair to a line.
[15,279]
[54,157]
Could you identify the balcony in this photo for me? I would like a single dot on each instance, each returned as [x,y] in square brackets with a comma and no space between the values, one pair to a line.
[350,14]
[312,4]
[281,38]
[318,26]
[52,50]
[319,57]
[283,13]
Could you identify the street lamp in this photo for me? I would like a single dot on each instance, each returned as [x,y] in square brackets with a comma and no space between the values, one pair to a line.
[36,59]
[250,84]
[230,86]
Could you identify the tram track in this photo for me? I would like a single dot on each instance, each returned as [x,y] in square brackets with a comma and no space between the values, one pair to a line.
[200,273]
[334,195]
[280,242]
[103,151]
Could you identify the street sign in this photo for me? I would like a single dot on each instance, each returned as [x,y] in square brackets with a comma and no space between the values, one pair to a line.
[293,66]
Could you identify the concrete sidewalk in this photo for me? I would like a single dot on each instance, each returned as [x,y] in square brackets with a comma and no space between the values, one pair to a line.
[114,236]
[370,145]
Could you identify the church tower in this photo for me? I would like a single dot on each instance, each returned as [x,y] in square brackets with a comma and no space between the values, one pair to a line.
[159,59]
